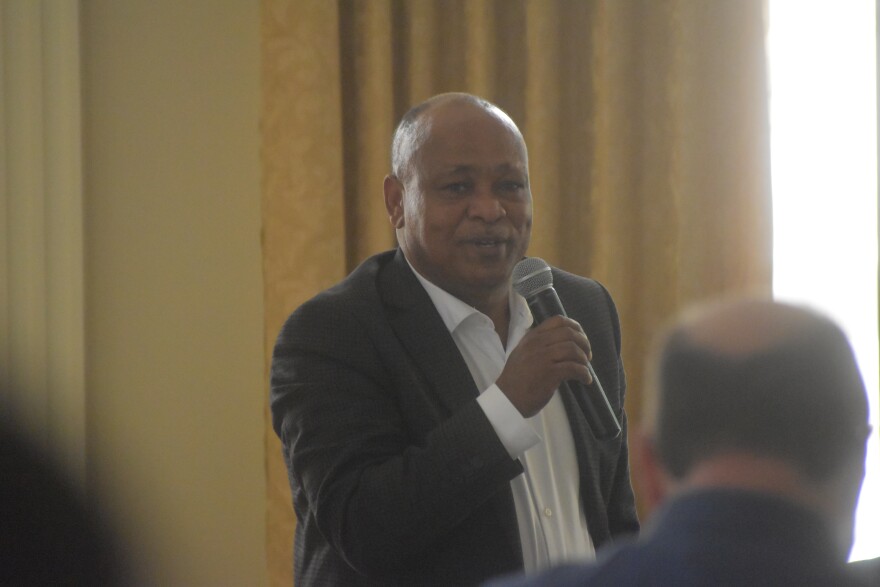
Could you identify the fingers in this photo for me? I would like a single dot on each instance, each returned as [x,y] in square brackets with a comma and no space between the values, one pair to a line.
[564,339]
[557,350]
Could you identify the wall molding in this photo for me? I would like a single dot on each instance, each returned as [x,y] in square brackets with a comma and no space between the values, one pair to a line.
[42,274]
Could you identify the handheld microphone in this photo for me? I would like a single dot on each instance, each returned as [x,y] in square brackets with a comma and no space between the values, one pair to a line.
[533,280]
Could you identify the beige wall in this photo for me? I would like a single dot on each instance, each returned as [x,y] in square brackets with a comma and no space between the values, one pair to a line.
[174,358]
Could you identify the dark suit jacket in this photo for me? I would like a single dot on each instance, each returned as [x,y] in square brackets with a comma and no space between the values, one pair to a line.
[716,538]
[397,475]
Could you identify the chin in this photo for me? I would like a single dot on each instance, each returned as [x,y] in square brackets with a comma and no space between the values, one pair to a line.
[492,278]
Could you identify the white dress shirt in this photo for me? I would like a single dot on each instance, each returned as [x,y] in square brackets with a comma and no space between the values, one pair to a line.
[549,511]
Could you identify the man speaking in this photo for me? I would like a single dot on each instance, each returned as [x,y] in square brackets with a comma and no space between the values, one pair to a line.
[427,432]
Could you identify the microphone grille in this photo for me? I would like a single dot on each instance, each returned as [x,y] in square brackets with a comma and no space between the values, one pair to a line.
[530,276]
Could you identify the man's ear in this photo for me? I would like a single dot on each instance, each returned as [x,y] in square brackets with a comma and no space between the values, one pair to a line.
[393,189]
[648,471]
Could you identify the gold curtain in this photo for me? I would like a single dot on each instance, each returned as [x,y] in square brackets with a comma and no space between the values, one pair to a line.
[646,122]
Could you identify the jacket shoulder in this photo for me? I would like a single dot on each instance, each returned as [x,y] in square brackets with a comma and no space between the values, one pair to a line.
[582,293]
[358,286]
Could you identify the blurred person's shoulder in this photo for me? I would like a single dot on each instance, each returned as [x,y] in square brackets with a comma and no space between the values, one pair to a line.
[50,534]
[867,570]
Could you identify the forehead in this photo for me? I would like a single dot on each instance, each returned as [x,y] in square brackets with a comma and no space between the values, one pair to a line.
[465,134]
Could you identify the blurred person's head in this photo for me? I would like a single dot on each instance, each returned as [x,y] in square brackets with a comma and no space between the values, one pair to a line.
[49,533]
[760,396]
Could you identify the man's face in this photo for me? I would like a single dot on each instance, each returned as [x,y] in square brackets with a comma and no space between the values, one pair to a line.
[463,210]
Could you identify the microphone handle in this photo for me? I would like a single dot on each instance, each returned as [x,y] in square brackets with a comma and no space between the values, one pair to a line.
[599,413]
[600,416]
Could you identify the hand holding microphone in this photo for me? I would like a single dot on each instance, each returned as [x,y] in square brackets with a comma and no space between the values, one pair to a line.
[549,354]
[548,346]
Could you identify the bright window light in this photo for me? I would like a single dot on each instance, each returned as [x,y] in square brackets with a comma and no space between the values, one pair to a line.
[823,111]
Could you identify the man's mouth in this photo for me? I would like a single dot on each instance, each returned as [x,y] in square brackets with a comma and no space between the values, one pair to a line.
[487,242]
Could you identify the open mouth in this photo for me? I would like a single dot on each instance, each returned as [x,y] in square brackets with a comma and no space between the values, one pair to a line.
[487,242]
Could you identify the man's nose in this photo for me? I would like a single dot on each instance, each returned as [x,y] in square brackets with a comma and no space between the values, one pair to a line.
[486,205]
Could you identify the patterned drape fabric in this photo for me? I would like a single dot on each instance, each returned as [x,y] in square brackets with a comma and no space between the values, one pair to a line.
[646,123]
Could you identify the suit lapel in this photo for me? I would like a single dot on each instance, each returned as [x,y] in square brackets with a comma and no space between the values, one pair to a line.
[588,469]
[424,335]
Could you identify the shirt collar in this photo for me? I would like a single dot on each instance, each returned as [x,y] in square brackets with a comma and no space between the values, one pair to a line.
[453,311]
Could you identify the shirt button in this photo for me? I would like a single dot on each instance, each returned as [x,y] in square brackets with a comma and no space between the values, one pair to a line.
[548,512]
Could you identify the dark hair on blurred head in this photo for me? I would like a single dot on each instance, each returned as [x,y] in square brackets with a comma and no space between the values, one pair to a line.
[800,398]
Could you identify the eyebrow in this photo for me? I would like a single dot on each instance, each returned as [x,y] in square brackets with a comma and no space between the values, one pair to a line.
[504,168]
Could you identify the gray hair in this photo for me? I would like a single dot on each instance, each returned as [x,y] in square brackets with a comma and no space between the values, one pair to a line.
[411,132]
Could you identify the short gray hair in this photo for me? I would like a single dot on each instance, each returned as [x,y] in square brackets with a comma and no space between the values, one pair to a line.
[411,133]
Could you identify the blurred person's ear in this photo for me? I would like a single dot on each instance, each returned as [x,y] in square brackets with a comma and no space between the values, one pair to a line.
[648,473]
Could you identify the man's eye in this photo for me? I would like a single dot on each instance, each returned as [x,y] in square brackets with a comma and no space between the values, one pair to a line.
[459,187]
[512,186]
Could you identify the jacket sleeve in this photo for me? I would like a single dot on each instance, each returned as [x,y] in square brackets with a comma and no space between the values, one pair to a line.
[380,470]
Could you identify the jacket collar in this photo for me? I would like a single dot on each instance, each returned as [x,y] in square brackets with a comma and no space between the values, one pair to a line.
[423,333]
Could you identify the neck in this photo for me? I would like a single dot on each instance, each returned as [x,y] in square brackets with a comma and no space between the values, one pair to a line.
[751,473]
[498,310]
[834,499]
